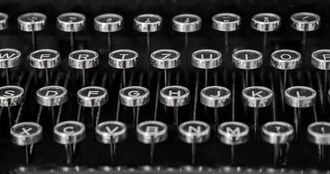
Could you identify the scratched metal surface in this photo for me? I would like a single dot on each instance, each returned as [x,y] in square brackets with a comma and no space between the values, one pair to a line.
[172,152]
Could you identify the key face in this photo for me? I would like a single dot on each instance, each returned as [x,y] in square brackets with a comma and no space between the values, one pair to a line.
[51,96]
[186,23]
[9,58]
[257,96]
[277,132]
[194,131]
[233,133]
[134,96]
[226,22]
[165,59]
[174,96]
[110,132]
[321,59]
[319,133]
[26,133]
[32,21]
[147,23]
[123,58]
[83,59]
[149,132]
[266,22]
[71,22]
[45,59]
[285,59]
[69,132]
[92,96]
[247,59]
[305,21]
[215,96]
[300,96]
[11,95]
[3,21]
[108,22]
[206,59]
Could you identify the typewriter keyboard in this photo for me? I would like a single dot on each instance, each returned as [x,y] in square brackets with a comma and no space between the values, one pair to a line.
[156,92]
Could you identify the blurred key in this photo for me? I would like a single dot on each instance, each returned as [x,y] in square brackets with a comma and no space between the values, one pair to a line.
[319,134]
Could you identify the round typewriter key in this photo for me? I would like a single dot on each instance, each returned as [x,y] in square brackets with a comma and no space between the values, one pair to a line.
[134,96]
[285,59]
[277,132]
[165,59]
[11,96]
[206,59]
[305,22]
[92,96]
[3,21]
[186,23]
[319,134]
[51,96]
[9,58]
[147,23]
[26,134]
[194,132]
[32,22]
[233,133]
[83,59]
[300,96]
[71,22]
[321,59]
[150,132]
[45,59]
[226,22]
[111,132]
[108,23]
[247,60]
[175,96]
[266,22]
[123,59]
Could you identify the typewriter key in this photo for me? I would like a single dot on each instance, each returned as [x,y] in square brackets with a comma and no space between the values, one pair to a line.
[299,97]
[226,22]
[11,96]
[69,133]
[147,23]
[305,22]
[26,134]
[175,96]
[186,23]
[83,59]
[257,97]
[32,22]
[319,134]
[45,59]
[3,21]
[165,59]
[9,58]
[151,132]
[108,23]
[247,60]
[92,96]
[71,22]
[134,96]
[111,132]
[206,59]
[51,96]
[194,132]
[123,59]
[266,22]
[215,97]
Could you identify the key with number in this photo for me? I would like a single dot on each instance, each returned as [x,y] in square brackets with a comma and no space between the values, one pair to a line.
[226,22]
[186,23]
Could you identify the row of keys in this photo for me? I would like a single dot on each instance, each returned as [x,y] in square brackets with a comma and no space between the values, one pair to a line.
[284,59]
[226,22]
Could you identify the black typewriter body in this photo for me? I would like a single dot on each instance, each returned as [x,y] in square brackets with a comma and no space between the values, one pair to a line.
[172,155]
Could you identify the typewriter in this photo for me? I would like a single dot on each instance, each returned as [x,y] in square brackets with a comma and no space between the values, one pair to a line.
[164,86]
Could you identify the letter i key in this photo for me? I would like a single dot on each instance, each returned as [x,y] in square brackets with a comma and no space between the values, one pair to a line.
[11,96]
[9,58]
[45,59]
